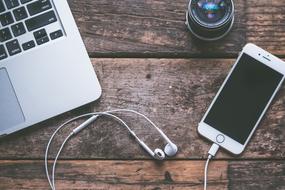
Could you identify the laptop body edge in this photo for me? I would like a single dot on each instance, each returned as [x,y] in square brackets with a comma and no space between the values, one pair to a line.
[53,78]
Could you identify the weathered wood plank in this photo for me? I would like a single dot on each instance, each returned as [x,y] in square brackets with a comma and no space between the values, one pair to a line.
[256,175]
[174,93]
[129,175]
[265,24]
[147,28]
[125,175]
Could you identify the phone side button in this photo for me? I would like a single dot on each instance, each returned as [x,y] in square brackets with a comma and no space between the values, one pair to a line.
[220,138]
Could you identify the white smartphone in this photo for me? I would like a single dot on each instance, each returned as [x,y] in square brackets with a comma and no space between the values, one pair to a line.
[243,99]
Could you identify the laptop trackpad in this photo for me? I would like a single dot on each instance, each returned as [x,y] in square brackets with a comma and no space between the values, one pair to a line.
[10,111]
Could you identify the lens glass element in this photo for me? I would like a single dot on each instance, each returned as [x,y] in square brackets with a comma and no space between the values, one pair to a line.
[211,12]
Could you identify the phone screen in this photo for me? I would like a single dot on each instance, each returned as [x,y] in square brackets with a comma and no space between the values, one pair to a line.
[243,98]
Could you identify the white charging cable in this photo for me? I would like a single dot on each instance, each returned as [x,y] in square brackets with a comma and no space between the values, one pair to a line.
[211,153]
[93,117]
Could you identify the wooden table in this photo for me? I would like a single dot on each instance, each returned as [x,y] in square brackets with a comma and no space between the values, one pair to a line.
[147,60]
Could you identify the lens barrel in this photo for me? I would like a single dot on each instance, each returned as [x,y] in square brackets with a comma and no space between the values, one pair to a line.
[210,20]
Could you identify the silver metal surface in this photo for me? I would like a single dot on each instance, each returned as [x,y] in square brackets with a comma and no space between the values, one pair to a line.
[52,78]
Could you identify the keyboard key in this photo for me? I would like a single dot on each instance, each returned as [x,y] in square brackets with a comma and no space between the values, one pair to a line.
[40,21]
[20,13]
[2,7]
[12,3]
[5,35]
[25,1]
[38,6]
[56,34]
[41,36]
[6,19]
[28,45]
[13,47]
[3,53]
[42,40]
[18,29]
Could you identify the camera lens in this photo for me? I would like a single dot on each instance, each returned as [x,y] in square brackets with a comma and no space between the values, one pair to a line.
[210,19]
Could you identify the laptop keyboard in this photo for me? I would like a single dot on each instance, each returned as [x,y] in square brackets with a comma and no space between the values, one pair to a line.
[26,24]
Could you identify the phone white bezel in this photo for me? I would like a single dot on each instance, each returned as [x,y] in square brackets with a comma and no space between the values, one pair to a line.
[212,133]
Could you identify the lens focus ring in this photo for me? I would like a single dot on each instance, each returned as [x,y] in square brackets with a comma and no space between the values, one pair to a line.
[210,19]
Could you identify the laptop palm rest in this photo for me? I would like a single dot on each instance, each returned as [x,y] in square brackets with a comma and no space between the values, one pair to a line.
[10,111]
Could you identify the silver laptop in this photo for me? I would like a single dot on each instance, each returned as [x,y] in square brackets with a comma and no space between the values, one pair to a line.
[44,67]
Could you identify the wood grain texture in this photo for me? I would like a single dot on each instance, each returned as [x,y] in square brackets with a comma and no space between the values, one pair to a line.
[149,175]
[256,175]
[174,93]
[156,28]
[124,175]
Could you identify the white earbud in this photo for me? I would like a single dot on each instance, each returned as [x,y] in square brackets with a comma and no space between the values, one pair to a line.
[170,149]
[159,154]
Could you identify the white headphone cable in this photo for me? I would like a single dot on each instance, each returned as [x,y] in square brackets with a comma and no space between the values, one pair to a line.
[146,118]
[52,183]
[57,155]
[93,117]
[133,111]
[50,140]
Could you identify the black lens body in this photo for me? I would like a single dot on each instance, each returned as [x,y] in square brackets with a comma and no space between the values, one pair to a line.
[210,19]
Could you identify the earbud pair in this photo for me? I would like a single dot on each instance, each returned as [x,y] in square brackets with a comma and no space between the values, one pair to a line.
[170,148]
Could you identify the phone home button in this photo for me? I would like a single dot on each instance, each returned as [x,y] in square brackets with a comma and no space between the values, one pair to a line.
[220,138]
